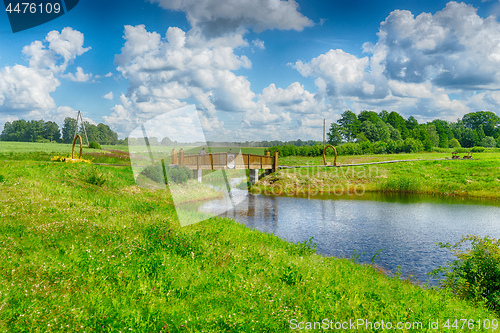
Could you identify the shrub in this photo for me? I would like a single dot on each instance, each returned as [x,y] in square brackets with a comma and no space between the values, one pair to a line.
[454,143]
[155,173]
[411,145]
[95,177]
[488,142]
[2,178]
[475,274]
[94,145]
[176,175]
[477,149]
[380,147]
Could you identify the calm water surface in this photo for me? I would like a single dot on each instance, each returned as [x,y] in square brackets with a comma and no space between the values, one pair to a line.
[406,229]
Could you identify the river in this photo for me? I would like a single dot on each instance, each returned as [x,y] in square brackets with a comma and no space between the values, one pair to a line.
[405,229]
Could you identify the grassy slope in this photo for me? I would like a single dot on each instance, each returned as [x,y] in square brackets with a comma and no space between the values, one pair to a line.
[75,255]
[478,178]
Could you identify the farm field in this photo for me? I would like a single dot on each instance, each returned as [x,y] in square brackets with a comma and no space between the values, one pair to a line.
[82,248]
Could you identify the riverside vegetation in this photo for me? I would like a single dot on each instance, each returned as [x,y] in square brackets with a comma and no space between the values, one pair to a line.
[433,174]
[82,248]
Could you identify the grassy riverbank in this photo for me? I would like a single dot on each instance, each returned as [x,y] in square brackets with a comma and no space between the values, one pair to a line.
[81,255]
[477,178]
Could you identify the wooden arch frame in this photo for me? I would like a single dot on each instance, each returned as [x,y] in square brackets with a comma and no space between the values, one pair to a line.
[81,147]
[324,157]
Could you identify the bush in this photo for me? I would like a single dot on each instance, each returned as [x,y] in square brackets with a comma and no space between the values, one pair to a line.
[475,274]
[94,145]
[176,175]
[380,147]
[95,177]
[411,145]
[477,149]
[488,142]
[454,143]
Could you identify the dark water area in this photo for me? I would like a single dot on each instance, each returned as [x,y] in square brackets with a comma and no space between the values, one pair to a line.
[406,229]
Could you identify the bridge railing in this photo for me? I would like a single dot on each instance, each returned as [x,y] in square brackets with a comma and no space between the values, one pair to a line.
[219,161]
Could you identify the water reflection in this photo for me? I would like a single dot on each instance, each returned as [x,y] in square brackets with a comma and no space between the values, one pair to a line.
[406,230]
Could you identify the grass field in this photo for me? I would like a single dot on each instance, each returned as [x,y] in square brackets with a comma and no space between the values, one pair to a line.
[82,248]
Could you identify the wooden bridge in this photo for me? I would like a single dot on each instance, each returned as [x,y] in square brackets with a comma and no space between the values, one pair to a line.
[226,161]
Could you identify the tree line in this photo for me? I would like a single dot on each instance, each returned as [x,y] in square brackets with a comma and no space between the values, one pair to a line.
[48,131]
[481,128]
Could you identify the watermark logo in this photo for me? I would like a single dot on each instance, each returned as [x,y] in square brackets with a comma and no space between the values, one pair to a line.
[25,14]
[170,152]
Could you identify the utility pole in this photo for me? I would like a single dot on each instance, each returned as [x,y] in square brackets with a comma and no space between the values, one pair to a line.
[79,116]
[324,125]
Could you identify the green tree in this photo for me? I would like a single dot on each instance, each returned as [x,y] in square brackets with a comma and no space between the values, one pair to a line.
[454,143]
[489,120]
[166,141]
[51,131]
[68,130]
[488,142]
[395,135]
[374,133]
[335,134]
[369,116]
[470,138]
[384,115]
[411,123]
[399,123]
[349,124]
[433,135]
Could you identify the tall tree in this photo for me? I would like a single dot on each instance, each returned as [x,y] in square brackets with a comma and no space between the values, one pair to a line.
[51,131]
[349,123]
[488,119]
[335,134]
[399,123]
[411,123]
[370,116]
[68,130]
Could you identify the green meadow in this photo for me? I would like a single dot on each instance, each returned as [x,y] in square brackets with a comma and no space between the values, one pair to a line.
[429,174]
[82,248]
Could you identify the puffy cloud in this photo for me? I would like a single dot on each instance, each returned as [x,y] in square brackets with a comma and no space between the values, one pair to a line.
[343,74]
[109,96]
[417,64]
[62,48]
[164,73]
[454,48]
[79,76]
[215,18]
[294,99]
[25,91]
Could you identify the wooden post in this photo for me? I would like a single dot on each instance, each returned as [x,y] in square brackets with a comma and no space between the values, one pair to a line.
[181,157]
[174,156]
[253,176]
[324,125]
[275,161]
[267,153]
[212,161]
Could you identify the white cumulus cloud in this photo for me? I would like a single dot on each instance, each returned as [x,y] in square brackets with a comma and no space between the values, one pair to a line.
[214,17]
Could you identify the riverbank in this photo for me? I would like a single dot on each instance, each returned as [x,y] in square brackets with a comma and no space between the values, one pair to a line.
[82,255]
[477,178]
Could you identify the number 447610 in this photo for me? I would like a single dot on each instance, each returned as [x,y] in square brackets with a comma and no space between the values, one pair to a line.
[33,8]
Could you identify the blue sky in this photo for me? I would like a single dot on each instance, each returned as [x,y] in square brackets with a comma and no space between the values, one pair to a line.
[255,70]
